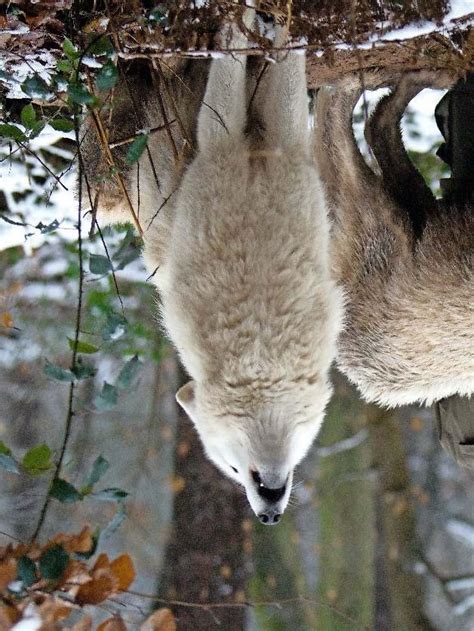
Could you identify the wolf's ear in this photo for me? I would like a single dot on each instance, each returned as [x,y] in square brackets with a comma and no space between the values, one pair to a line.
[185,397]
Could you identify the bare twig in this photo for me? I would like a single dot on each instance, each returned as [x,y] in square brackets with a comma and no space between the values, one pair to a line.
[43,164]
[102,136]
[101,236]
[251,605]
[162,205]
[7,534]
[126,141]
[164,113]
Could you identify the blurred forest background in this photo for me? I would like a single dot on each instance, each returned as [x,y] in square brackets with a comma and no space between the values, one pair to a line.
[380,533]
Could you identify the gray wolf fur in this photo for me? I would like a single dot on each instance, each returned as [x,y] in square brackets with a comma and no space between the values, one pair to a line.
[405,260]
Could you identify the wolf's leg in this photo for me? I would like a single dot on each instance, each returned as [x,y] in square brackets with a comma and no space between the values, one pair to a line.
[284,99]
[369,234]
[223,113]
[349,182]
[400,177]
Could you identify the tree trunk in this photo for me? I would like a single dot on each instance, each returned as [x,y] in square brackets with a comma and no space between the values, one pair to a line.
[205,560]
[405,595]
[346,484]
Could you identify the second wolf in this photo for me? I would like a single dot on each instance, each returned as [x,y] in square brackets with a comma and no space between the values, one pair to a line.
[406,260]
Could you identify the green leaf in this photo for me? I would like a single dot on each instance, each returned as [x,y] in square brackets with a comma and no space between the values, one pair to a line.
[7,461]
[64,65]
[107,399]
[36,87]
[37,460]
[53,562]
[28,116]
[99,264]
[11,131]
[47,228]
[158,14]
[4,449]
[99,467]
[129,372]
[56,372]
[83,371]
[102,46]
[82,347]
[70,50]
[80,94]
[116,520]
[62,124]
[64,491]
[110,495]
[36,129]
[26,571]
[115,326]
[106,77]
[136,149]
[128,251]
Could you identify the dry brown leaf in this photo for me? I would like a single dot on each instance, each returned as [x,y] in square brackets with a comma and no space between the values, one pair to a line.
[7,573]
[76,573]
[113,624]
[161,620]
[8,616]
[82,542]
[416,424]
[6,319]
[123,569]
[84,624]
[177,483]
[96,26]
[53,610]
[103,585]
[102,562]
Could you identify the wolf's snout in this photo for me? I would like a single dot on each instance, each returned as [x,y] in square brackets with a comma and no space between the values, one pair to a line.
[270,517]
[270,487]
[271,495]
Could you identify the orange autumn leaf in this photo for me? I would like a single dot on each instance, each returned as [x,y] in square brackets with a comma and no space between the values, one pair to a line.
[102,562]
[123,569]
[416,424]
[161,620]
[84,624]
[53,610]
[82,542]
[177,483]
[103,585]
[7,573]
[8,616]
[112,624]
[6,319]
[76,573]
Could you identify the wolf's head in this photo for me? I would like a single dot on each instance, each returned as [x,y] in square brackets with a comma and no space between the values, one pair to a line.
[257,442]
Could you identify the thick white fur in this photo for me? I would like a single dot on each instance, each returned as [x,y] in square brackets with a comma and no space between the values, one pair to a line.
[244,277]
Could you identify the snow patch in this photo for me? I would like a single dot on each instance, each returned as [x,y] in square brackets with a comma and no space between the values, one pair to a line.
[461,531]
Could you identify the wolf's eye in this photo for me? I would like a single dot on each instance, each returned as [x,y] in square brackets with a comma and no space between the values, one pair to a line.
[234,469]
[256,478]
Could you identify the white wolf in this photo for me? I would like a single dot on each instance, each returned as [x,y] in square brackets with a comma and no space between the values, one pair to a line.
[243,270]
[405,259]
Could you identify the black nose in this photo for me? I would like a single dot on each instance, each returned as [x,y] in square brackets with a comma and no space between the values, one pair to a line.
[269,518]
